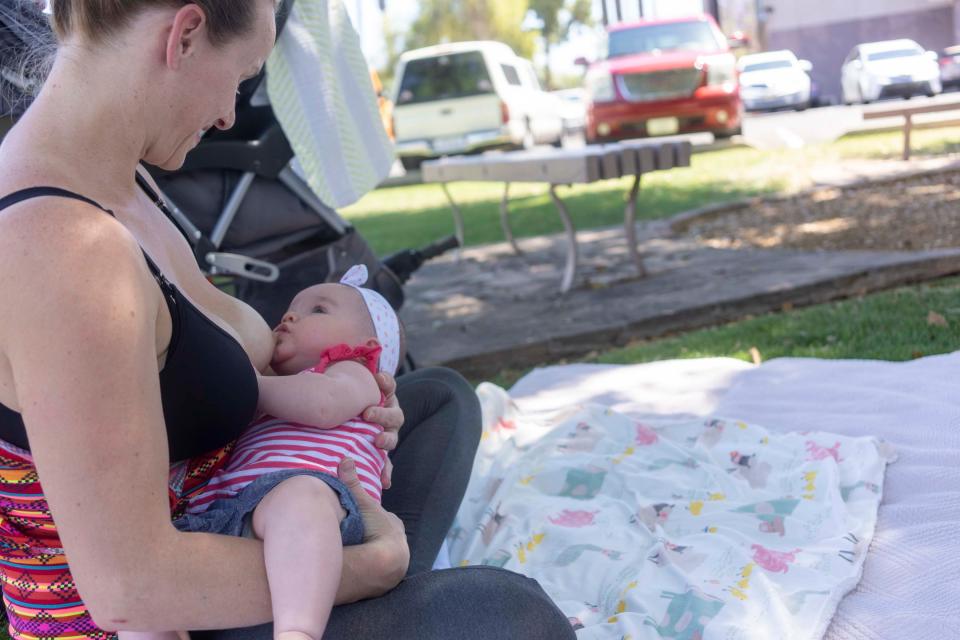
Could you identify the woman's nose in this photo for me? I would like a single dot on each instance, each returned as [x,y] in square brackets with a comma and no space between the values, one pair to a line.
[227,121]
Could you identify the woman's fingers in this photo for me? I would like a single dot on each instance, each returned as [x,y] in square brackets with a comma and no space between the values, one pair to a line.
[347,474]
[387,384]
[387,440]
[381,528]
[389,416]
[386,474]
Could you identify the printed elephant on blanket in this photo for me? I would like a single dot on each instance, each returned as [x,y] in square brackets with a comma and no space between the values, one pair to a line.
[583,484]
[712,434]
[774,561]
[754,471]
[771,513]
[584,438]
[688,614]
[653,515]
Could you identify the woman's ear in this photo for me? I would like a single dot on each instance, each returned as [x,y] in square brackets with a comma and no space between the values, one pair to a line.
[189,25]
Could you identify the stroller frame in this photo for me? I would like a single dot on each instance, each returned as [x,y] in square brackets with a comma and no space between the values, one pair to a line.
[268,156]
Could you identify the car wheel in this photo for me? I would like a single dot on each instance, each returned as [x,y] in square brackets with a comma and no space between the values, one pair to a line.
[726,134]
[411,164]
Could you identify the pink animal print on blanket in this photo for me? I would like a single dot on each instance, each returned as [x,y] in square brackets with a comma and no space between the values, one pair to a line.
[819,452]
[773,561]
[574,519]
[645,435]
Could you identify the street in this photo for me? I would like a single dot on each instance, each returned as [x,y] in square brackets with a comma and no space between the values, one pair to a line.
[794,129]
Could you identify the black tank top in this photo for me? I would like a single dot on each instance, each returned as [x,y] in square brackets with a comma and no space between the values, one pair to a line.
[208,385]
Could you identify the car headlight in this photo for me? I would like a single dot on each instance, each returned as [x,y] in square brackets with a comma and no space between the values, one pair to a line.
[599,84]
[721,69]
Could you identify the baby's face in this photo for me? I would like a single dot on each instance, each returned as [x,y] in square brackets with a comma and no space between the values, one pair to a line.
[319,318]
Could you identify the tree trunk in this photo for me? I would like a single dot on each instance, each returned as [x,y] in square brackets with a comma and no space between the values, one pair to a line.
[619,11]
[606,18]
[547,77]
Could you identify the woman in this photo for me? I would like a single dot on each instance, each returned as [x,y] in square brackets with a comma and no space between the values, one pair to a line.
[118,358]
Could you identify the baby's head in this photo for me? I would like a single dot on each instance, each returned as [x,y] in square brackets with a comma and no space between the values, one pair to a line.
[325,315]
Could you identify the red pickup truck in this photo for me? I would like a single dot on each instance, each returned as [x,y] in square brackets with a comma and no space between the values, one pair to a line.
[662,77]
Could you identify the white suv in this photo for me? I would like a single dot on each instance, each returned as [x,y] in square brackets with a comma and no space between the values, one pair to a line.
[469,96]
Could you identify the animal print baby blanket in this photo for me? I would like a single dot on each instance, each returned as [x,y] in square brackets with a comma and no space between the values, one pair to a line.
[667,528]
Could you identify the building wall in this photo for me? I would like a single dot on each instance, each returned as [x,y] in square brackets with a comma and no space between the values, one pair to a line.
[797,14]
[825,41]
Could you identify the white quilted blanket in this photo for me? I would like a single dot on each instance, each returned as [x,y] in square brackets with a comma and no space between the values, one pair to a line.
[909,587]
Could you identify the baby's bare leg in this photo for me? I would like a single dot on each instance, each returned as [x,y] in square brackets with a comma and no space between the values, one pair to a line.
[298,522]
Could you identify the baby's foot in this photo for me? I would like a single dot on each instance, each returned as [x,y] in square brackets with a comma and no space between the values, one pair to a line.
[293,635]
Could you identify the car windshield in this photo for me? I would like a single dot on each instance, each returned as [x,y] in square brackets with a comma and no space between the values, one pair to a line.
[893,53]
[673,36]
[443,77]
[767,65]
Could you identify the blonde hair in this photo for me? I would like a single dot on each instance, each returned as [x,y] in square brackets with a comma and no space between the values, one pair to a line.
[99,19]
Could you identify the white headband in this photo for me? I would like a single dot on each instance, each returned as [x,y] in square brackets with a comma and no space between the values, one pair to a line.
[384,318]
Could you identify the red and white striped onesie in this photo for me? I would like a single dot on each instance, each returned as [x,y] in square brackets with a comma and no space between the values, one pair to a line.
[272,444]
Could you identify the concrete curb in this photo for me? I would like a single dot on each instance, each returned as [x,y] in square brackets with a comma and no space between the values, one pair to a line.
[577,345]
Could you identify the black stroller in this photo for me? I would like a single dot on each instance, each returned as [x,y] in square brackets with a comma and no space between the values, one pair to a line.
[254,224]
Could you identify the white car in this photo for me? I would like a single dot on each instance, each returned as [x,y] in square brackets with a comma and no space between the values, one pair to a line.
[877,70]
[469,96]
[774,80]
[573,109]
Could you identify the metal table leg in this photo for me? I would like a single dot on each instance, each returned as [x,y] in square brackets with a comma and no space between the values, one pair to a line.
[505,220]
[571,266]
[457,219]
[630,226]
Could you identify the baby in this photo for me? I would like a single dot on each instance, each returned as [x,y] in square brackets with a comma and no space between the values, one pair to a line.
[281,484]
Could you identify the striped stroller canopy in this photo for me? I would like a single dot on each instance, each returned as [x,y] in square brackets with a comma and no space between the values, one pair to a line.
[319,86]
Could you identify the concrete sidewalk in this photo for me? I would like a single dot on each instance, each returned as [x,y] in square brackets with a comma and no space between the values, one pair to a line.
[493,309]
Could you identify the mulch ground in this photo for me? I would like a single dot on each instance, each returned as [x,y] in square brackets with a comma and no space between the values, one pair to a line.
[915,213]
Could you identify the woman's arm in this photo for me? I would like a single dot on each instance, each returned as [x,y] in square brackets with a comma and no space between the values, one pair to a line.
[323,400]
[78,329]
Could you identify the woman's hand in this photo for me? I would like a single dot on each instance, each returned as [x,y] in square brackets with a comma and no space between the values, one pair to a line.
[390,417]
[384,543]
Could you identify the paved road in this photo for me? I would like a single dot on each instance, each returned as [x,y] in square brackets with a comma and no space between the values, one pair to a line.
[792,129]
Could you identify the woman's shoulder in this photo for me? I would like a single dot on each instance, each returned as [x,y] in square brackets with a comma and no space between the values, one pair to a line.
[61,229]
[63,243]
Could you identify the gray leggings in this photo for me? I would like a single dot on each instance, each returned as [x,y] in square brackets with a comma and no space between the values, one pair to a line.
[431,467]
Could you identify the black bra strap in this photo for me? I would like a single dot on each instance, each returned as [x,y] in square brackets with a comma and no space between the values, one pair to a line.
[39,192]
[56,192]
[147,189]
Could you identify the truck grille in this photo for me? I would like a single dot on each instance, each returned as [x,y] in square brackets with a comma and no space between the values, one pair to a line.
[659,85]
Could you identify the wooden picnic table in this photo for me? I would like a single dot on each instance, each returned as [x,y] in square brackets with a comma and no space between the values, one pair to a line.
[907,112]
[556,167]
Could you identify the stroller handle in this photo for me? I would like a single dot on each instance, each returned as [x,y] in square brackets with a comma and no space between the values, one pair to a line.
[404,263]
[439,247]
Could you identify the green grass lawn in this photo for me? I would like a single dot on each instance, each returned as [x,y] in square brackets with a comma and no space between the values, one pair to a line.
[402,217]
[891,325]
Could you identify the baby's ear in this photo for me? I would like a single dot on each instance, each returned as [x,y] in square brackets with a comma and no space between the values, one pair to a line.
[372,342]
